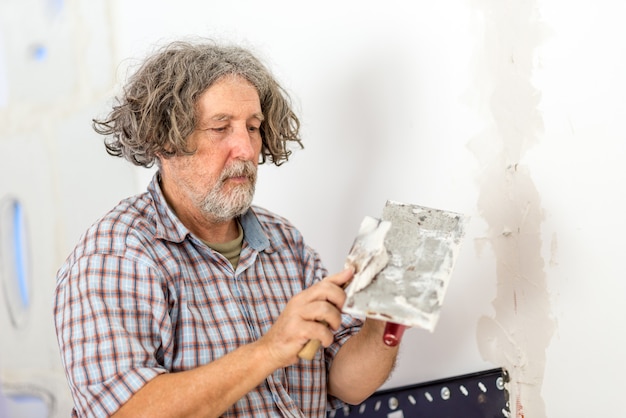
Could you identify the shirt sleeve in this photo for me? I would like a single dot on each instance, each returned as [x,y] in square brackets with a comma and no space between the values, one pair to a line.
[112,324]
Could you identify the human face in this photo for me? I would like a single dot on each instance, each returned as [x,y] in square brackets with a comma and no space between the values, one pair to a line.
[217,182]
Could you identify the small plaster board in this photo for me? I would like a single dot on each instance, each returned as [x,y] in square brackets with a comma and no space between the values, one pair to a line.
[422,246]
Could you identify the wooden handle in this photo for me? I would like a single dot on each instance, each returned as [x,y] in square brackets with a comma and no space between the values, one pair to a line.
[309,350]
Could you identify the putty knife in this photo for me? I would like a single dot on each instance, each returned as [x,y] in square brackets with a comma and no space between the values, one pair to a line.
[422,245]
[367,256]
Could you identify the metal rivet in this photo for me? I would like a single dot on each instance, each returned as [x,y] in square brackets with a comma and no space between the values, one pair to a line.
[428,396]
[463,390]
[445,393]
[500,383]
[393,403]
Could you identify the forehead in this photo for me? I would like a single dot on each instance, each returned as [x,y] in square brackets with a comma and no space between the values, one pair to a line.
[230,93]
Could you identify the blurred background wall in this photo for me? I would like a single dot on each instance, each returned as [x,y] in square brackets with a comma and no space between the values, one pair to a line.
[509,111]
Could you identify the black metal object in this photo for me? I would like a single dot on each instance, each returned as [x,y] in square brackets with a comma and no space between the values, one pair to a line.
[475,395]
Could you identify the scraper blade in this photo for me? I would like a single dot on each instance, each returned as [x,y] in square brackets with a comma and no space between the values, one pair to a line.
[367,257]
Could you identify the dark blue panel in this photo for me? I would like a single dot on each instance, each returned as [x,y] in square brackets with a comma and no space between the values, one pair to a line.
[476,395]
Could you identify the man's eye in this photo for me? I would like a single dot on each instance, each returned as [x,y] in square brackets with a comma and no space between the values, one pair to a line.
[253,128]
[219,129]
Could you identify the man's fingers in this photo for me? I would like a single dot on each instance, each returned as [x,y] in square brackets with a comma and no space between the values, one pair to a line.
[320,331]
[342,278]
[323,312]
[329,290]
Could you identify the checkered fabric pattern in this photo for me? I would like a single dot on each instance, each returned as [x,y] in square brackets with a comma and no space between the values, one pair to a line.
[140,296]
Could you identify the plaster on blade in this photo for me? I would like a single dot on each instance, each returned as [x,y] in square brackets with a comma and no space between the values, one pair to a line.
[368,255]
[423,244]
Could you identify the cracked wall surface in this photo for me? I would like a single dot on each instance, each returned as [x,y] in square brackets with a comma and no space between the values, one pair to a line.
[517,335]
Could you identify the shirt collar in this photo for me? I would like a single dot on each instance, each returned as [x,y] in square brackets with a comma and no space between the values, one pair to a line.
[169,227]
[253,232]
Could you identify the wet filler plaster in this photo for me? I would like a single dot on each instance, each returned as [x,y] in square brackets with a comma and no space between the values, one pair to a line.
[517,335]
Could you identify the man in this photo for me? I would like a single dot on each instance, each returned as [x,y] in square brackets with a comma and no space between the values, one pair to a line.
[187,300]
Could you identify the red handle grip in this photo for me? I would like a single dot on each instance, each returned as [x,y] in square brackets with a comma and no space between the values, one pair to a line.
[393,333]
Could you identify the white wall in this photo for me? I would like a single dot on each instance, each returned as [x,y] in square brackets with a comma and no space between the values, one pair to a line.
[509,111]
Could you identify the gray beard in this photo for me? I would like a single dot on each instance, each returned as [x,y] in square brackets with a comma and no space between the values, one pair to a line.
[222,207]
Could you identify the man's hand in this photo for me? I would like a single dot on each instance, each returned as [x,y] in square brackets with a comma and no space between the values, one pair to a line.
[303,319]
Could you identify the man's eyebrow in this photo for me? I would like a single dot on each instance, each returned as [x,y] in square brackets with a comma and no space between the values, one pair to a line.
[224,117]
[221,117]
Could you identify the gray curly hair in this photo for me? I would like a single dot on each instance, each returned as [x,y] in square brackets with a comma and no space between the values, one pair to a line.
[156,111]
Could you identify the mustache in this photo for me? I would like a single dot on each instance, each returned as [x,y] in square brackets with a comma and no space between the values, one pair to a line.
[240,169]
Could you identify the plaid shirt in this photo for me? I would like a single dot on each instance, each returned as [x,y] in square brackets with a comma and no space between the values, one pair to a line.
[140,296]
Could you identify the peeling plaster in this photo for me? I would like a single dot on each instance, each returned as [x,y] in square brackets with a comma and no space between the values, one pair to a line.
[517,335]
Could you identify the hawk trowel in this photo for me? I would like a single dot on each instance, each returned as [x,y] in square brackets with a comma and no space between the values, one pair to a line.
[421,247]
[402,264]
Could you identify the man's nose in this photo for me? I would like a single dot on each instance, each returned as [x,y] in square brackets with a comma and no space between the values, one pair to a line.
[243,143]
